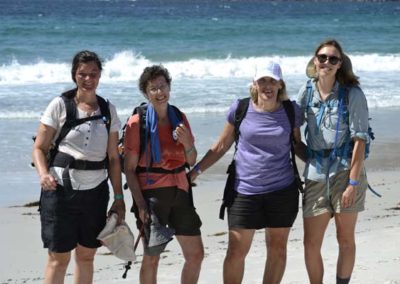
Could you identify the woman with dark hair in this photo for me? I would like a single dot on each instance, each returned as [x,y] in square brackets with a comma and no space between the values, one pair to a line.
[75,152]
[336,116]
[265,190]
[157,178]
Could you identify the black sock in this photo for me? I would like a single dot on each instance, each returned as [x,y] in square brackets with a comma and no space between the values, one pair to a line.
[342,280]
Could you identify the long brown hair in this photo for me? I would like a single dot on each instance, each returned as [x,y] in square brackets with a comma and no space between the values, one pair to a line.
[344,75]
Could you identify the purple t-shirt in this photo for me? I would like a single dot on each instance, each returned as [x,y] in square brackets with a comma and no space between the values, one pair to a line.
[263,155]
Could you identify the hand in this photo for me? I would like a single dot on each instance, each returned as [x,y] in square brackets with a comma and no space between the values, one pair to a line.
[183,135]
[118,207]
[193,175]
[349,196]
[48,182]
[144,215]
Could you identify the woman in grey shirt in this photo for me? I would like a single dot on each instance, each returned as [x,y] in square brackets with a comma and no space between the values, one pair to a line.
[336,116]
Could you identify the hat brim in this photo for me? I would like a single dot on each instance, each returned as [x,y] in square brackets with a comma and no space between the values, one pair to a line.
[270,75]
[311,71]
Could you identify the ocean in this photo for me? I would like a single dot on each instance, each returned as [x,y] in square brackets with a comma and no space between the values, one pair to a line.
[210,48]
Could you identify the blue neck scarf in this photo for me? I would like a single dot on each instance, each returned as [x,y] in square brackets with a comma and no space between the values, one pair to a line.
[152,129]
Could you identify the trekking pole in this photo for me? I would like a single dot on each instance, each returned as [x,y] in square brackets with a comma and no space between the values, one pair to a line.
[128,265]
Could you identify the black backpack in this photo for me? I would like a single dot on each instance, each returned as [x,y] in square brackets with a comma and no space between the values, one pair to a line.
[240,113]
[60,159]
[71,120]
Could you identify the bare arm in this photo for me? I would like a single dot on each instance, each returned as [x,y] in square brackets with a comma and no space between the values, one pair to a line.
[357,162]
[41,147]
[114,172]
[130,164]
[299,147]
[185,138]
[218,150]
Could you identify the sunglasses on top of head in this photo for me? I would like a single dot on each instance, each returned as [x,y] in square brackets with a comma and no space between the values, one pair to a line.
[322,58]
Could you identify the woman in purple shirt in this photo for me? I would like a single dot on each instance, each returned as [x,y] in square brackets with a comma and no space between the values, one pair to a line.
[266,195]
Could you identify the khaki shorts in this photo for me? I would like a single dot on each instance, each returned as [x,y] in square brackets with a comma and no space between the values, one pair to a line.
[317,202]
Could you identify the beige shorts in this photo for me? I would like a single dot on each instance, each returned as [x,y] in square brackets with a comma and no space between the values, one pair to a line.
[317,202]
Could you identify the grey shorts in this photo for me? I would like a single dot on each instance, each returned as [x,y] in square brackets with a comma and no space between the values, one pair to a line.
[316,200]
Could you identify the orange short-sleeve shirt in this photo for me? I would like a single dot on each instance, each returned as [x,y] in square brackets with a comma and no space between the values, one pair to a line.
[172,156]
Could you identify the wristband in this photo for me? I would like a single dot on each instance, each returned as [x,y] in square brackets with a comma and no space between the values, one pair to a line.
[118,196]
[187,152]
[197,169]
[353,182]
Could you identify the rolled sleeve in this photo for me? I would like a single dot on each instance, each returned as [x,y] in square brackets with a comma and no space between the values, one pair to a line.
[358,114]
[301,101]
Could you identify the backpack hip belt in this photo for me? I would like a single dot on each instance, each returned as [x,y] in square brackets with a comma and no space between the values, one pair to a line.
[68,162]
[326,153]
[161,170]
[63,160]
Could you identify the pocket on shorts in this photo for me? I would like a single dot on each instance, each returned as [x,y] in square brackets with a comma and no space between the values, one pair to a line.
[48,205]
[48,216]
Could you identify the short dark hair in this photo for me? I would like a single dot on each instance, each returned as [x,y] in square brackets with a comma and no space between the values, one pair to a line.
[84,56]
[151,73]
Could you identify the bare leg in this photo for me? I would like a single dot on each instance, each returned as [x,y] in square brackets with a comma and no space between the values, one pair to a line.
[148,270]
[84,258]
[56,267]
[276,241]
[314,230]
[345,230]
[193,252]
[238,248]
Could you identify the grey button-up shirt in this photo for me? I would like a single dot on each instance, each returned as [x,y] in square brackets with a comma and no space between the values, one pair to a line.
[323,128]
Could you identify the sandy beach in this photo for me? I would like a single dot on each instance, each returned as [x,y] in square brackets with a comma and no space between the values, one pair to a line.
[212,50]
[378,235]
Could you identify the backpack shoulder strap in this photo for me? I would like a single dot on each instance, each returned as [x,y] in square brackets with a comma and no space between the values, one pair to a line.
[141,111]
[71,113]
[309,95]
[70,105]
[70,109]
[289,109]
[240,113]
[178,112]
[105,111]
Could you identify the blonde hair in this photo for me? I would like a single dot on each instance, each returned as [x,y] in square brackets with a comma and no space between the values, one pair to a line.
[282,94]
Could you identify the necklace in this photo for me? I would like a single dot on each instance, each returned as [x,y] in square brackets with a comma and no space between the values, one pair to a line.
[89,107]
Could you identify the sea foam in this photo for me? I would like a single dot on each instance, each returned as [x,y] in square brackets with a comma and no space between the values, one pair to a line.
[127,66]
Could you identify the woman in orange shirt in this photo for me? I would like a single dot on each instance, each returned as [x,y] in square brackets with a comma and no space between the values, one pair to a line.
[157,178]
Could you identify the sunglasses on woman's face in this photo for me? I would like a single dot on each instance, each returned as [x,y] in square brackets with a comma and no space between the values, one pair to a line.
[322,58]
